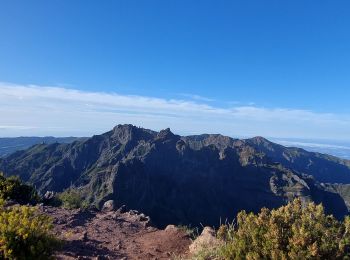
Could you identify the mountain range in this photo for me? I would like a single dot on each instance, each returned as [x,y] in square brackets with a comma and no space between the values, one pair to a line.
[336,148]
[13,144]
[200,179]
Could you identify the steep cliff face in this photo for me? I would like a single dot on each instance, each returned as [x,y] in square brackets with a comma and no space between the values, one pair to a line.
[174,179]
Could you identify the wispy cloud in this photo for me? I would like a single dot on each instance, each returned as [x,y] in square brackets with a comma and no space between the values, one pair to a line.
[40,110]
[196,97]
[312,145]
[16,127]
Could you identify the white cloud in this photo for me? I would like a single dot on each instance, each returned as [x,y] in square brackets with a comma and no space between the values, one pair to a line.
[197,97]
[312,145]
[39,110]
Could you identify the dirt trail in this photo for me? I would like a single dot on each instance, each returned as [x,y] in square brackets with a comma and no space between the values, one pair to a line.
[114,235]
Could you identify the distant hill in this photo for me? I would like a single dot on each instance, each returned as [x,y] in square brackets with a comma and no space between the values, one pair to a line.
[183,179]
[10,145]
[323,167]
[339,149]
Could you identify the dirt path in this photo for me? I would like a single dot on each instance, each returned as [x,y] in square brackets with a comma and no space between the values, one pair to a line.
[114,235]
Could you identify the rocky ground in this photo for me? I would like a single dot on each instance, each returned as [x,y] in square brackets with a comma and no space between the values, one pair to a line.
[115,235]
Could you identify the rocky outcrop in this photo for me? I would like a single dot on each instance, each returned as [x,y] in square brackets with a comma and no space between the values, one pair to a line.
[113,235]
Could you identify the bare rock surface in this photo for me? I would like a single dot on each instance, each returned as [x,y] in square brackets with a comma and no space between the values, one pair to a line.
[114,235]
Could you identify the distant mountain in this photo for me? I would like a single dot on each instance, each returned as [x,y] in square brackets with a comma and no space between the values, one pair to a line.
[188,180]
[339,149]
[13,144]
[323,167]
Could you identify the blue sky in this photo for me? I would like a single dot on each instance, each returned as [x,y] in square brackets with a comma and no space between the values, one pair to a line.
[274,68]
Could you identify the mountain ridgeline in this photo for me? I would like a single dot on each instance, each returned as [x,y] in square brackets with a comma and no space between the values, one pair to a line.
[184,180]
[10,145]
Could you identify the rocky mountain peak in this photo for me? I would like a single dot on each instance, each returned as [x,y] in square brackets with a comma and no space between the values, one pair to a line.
[165,134]
[123,133]
[259,140]
[127,132]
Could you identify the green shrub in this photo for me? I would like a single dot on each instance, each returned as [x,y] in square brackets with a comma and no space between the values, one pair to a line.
[294,231]
[25,234]
[192,232]
[72,199]
[12,188]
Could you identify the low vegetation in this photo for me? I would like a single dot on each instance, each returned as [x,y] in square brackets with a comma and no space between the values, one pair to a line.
[12,188]
[192,232]
[294,231]
[25,234]
[297,230]
[72,199]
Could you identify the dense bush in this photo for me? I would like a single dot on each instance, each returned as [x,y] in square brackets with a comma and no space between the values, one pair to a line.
[25,234]
[294,231]
[72,199]
[12,188]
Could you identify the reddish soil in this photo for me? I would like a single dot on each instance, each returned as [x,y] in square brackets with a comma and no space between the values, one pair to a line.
[114,235]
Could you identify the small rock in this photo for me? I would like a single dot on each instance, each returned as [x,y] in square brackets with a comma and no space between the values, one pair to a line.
[143,217]
[208,231]
[133,212]
[145,220]
[171,228]
[41,206]
[84,236]
[108,205]
[49,195]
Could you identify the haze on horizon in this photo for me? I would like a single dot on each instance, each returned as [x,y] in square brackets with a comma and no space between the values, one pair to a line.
[241,69]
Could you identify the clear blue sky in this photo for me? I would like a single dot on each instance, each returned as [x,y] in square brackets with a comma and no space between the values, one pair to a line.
[269,54]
